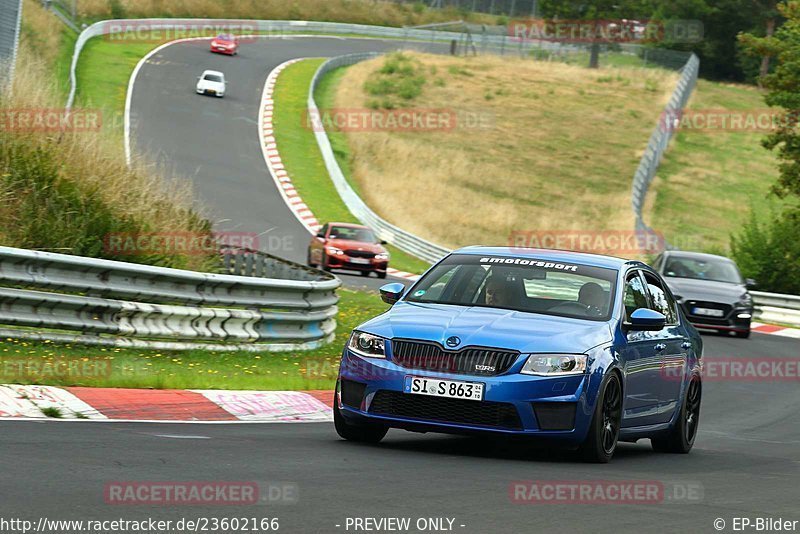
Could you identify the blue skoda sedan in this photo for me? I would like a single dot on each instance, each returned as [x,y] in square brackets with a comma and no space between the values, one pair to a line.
[584,349]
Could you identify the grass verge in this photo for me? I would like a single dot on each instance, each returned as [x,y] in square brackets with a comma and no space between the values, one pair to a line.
[303,160]
[709,179]
[531,146]
[24,362]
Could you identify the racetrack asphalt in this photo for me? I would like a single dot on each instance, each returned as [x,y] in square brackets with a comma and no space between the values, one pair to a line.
[214,143]
[746,463]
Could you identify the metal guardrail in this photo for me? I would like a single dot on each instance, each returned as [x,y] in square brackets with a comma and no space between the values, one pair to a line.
[107,302]
[659,140]
[398,237]
[10,22]
[777,308]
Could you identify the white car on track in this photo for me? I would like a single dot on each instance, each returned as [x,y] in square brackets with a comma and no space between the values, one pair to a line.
[211,82]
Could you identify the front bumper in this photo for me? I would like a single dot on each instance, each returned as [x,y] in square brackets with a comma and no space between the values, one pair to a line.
[371,390]
[735,319]
[223,50]
[346,262]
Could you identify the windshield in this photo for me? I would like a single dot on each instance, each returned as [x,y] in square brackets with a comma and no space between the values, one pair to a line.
[347,233]
[717,270]
[212,77]
[224,37]
[521,284]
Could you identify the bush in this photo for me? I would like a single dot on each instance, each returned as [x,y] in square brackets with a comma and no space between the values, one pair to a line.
[399,76]
[770,252]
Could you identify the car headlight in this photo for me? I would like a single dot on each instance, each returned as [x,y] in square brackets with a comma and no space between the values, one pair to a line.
[333,251]
[745,300]
[367,345]
[382,256]
[555,364]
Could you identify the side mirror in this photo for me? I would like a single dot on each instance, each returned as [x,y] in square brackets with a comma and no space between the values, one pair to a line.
[391,293]
[645,319]
[384,242]
[321,235]
[750,283]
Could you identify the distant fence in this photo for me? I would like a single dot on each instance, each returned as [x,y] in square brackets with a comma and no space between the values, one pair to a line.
[659,140]
[510,8]
[73,299]
[10,21]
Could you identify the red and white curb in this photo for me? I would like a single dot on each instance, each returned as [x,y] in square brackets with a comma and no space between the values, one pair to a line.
[194,406]
[280,176]
[784,331]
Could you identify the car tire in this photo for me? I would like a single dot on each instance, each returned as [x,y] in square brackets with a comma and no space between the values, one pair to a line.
[308,260]
[743,335]
[382,275]
[365,273]
[601,441]
[364,433]
[681,436]
[325,266]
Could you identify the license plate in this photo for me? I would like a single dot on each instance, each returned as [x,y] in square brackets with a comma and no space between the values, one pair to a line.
[359,261]
[211,91]
[709,311]
[417,385]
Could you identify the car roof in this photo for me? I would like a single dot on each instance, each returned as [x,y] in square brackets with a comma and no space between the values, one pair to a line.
[696,255]
[582,258]
[213,72]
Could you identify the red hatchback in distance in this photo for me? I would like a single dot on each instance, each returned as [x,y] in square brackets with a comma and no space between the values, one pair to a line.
[225,43]
[348,246]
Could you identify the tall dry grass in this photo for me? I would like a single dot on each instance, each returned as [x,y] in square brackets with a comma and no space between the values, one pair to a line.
[63,190]
[377,12]
[557,151]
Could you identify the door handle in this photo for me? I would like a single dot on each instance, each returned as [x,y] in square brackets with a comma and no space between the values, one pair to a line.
[686,345]
[660,347]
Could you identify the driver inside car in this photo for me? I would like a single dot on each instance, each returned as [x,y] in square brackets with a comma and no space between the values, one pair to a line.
[498,292]
[593,297]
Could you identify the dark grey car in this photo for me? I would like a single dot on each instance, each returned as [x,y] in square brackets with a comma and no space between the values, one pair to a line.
[710,289]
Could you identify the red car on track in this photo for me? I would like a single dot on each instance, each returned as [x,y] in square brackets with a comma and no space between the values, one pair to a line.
[348,246]
[225,43]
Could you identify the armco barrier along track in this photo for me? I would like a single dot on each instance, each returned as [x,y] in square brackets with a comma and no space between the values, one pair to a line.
[103,302]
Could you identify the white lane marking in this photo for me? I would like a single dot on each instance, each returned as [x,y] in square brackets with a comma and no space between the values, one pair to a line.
[180,436]
[30,401]
[270,405]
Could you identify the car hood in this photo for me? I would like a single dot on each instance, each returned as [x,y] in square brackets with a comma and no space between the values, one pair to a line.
[346,244]
[217,42]
[489,327]
[690,289]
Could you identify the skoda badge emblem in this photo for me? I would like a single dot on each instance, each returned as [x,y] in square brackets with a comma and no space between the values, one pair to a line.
[453,341]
